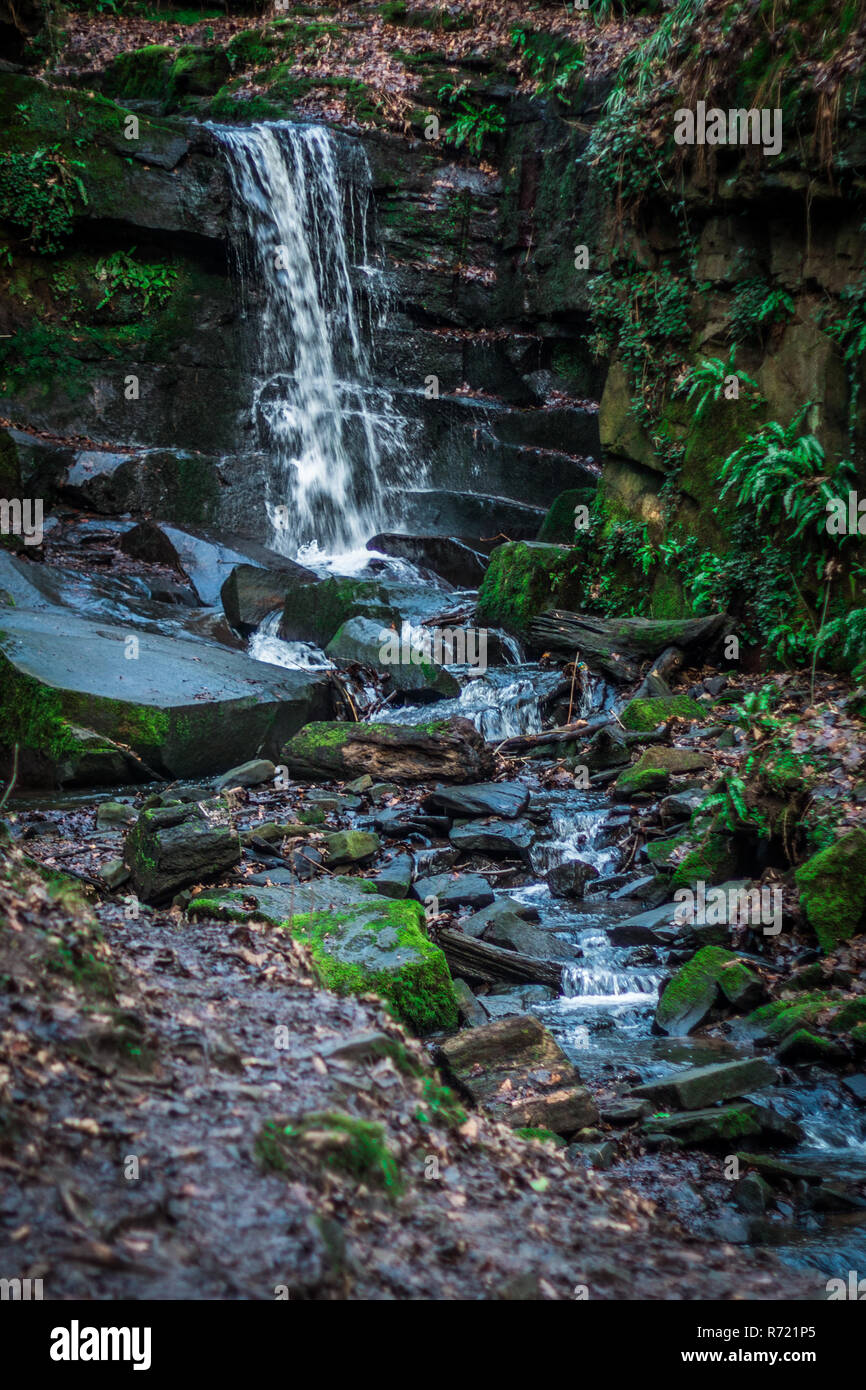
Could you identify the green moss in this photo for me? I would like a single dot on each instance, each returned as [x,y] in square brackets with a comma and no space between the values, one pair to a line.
[141,73]
[519,584]
[644,715]
[782,1017]
[558,525]
[711,861]
[544,1136]
[334,1141]
[640,781]
[439,1105]
[832,888]
[696,983]
[31,715]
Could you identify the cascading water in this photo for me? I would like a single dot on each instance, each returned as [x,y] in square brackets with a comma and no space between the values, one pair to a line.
[302,200]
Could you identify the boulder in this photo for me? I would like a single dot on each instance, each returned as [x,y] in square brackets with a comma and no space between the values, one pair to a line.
[464,890]
[351,847]
[251,593]
[832,888]
[172,847]
[364,639]
[336,601]
[251,774]
[395,879]
[453,560]
[644,715]
[185,708]
[509,837]
[516,1070]
[359,943]
[718,1126]
[569,879]
[699,1087]
[451,749]
[503,799]
[712,976]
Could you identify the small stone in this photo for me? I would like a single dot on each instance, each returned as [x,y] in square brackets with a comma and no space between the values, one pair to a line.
[250,774]
[111,815]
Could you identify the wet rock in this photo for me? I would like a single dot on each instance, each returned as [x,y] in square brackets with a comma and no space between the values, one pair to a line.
[680,806]
[464,890]
[505,1002]
[856,1087]
[360,785]
[359,942]
[397,824]
[184,707]
[654,769]
[713,975]
[148,542]
[251,774]
[543,1090]
[317,617]
[506,800]
[803,1046]
[379,791]
[172,847]
[364,639]
[112,815]
[454,560]
[351,847]
[515,934]
[395,879]
[503,909]
[720,1125]
[114,874]
[251,593]
[606,749]
[494,837]
[699,1087]
[655,927]
[569,879]
[451,749]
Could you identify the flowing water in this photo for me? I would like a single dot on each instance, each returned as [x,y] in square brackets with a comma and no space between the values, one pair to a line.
[308,280]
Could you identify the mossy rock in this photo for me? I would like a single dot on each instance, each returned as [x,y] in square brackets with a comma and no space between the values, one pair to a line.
[521,581]
[558,525]
[141,73]
[644,715]
[832,888]
[712,976]
[319,616]
[783,1017]
[713,860]
[329,1142]
[375,945]
[654,769]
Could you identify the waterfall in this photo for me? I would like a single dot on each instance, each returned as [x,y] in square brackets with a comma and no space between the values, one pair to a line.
[301,201]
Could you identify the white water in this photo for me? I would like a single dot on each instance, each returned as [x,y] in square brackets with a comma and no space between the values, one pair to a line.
[302,201]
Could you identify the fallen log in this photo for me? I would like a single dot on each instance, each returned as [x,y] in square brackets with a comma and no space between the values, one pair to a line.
[569,733]
[494,965]
[619,646]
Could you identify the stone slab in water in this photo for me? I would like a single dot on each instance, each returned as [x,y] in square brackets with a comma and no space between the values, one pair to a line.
[544,1088]
[467,890]
[720,1125]
[507,799]
[510,837]
[455,561]
[699,1087]
[186,708]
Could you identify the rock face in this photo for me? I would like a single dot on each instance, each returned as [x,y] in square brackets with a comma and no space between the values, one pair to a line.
[451,749]
[184,707]
[361,943]
[172,847]
[517,1071]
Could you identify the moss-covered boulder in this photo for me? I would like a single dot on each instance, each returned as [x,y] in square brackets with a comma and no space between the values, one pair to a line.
[351,847]
[719,1125]
[523,579]
[712,860]
[172,847]
[713,976]
[653,770]
[308,618]
[832,888]
[451,750]
[644,715]
[373,944]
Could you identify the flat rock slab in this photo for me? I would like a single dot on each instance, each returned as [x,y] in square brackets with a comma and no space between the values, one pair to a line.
[186,708]
[466,890]
[655,927]
[722,1124]
[505,799]
[699,1087]
[516,1070]
[509,837]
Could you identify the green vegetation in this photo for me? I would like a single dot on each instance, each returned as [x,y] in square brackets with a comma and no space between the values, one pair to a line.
[334,1142]
[41,192]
